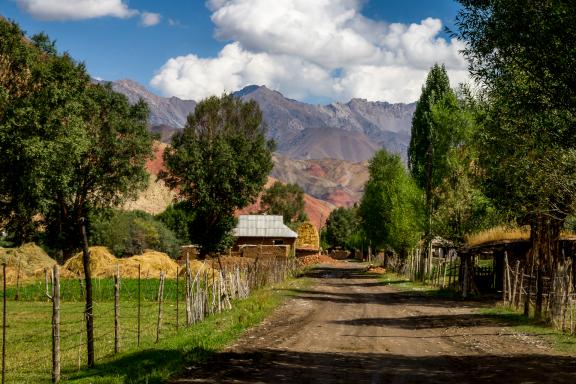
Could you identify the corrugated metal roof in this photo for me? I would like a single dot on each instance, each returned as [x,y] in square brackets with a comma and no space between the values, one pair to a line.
[262,226]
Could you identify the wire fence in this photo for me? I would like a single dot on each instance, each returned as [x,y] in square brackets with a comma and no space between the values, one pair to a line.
[127,313]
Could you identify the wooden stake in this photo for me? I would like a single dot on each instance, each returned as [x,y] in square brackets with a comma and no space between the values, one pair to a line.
[188,292]
[160,302]
[139,302]
[177,298]
[117,309]
[56,325]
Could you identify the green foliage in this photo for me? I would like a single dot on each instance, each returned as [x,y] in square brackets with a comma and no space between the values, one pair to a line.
[391,208]
[286,200]
[523,52]
[179,218]
[430,139]
[460,205]
[68,146]
[219,163]
[130,233]
[341,225]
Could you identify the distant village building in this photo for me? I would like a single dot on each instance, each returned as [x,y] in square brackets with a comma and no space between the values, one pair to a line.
[263,236]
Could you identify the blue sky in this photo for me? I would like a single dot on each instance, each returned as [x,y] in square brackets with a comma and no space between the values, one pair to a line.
[311,50]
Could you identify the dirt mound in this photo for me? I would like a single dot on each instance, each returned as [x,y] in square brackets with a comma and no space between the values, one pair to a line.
[316,259]
[25,262]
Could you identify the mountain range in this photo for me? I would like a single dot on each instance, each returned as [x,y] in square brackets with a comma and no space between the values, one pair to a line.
[322,148]
[350,131]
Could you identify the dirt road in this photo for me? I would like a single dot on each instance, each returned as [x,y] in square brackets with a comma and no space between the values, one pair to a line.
[349,328]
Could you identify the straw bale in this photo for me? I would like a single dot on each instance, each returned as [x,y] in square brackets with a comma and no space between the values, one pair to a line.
[25,262]
[308,237]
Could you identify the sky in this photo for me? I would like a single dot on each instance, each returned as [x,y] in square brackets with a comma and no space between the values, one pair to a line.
[317,51]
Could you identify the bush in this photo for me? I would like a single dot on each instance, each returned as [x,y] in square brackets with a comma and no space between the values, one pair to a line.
[130,233]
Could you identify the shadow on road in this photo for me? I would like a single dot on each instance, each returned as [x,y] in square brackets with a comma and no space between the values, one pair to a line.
[277,366]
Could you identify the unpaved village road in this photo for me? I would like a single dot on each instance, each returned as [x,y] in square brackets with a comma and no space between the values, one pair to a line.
[349,328]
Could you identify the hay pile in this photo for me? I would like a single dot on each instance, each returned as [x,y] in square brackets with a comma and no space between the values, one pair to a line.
[25,263]
[316,259]
[104,264]
[308,237]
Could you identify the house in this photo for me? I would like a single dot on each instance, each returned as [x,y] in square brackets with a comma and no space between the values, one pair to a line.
[263,235]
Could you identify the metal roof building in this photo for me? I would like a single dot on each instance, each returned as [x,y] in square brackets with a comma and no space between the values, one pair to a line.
[263,226]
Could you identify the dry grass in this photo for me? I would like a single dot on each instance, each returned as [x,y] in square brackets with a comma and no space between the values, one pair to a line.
[497,234]
[501,234]
[25,263]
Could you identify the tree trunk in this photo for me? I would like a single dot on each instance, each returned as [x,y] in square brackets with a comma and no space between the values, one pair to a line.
[544,250]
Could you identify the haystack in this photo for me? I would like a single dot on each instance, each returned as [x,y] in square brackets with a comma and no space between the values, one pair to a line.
[308,238]
[151,264]
[102,263]
[25,262]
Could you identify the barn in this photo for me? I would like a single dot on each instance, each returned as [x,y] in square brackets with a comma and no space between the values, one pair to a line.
[263,235]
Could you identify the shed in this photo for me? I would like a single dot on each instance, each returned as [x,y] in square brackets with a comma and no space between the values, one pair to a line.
[263,231]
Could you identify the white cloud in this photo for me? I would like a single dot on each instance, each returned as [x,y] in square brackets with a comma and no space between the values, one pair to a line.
[321,48]
[148,19]
[84,9]
[75,9]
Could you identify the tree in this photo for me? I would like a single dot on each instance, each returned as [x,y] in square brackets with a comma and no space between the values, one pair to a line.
[128,233]
[523,53]
[341,224]
[218,163]
[460,206]
[68,146]
[431,139]
[107,168]
[40,126]
[286,200]
[391,208]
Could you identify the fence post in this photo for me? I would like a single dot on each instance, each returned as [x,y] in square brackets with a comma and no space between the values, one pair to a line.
[160,301]
[4,324]
[517,271]
[139,302]
[89,309]
[188,292]
[117,310]
[56,325]
[177,298]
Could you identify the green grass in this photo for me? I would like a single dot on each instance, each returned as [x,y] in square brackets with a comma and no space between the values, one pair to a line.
[29,338]
[559,341]
[405,284]
[102,289]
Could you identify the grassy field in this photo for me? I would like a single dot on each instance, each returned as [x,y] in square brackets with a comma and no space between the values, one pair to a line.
[29,333]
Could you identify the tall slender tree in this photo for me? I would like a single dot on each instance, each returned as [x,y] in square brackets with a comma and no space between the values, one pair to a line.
[432,139]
